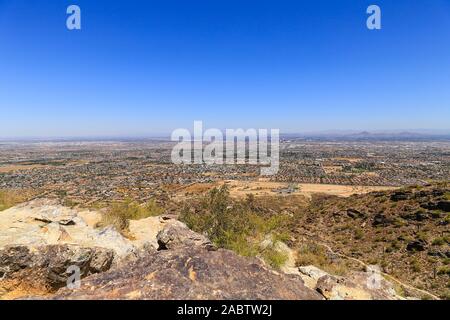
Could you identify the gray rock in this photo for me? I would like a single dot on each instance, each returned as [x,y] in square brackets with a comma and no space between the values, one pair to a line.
[417,245]
[176,234]
[39,223]
[357,286]
[56,214]
[312,272]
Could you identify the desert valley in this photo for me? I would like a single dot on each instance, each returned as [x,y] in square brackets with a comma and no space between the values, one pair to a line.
[359,219]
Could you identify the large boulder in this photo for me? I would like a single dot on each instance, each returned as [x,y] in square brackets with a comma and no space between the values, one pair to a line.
[191,272]
[177,234]
[44,222]
[45,269]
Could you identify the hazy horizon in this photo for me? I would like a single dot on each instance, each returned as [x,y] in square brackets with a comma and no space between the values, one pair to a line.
[441,133]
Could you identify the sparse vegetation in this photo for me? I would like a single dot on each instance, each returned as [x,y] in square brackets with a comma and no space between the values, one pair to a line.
[444,270]
[359,234]
[119,213]
[415,265]
[447,196]
[316,255]
[235,225]
[440,241]
[10,198]
[405,235]
[274,257]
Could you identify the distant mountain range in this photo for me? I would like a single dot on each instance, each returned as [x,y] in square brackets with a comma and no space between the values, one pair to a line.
[342,135]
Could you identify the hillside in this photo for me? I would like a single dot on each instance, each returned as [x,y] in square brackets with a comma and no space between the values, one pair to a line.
[405,232]
[378,245]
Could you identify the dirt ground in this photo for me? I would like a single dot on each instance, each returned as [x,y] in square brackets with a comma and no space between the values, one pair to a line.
[13,168]
[240,189]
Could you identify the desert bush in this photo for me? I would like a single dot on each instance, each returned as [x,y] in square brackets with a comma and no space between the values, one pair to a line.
[422,235]
[359,234]
[415,265]
[439,241]
[316,255]
[443,270]
[311,254]
[445,295]
[273,257]
[234,225]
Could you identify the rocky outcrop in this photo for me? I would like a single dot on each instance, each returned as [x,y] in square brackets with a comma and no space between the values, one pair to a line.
[44,222]
[191,273]
[161,259]
[45,269]
[360,286]
[187,266]
[369,285]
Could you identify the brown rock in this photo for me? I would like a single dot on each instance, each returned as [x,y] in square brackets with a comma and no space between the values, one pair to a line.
[381,219]
[46,268]
[357,286]
[191,273]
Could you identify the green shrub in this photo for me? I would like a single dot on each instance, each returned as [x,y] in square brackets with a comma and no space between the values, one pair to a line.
[234,225]
[445,295]
[359,234]
[273,257]
[443,270]
[415,265]
[438,242]
[316,255]
[312,254]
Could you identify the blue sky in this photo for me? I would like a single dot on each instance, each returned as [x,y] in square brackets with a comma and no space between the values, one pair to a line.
[148,67]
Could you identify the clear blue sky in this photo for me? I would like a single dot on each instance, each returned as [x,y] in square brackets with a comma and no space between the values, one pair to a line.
[147,67]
